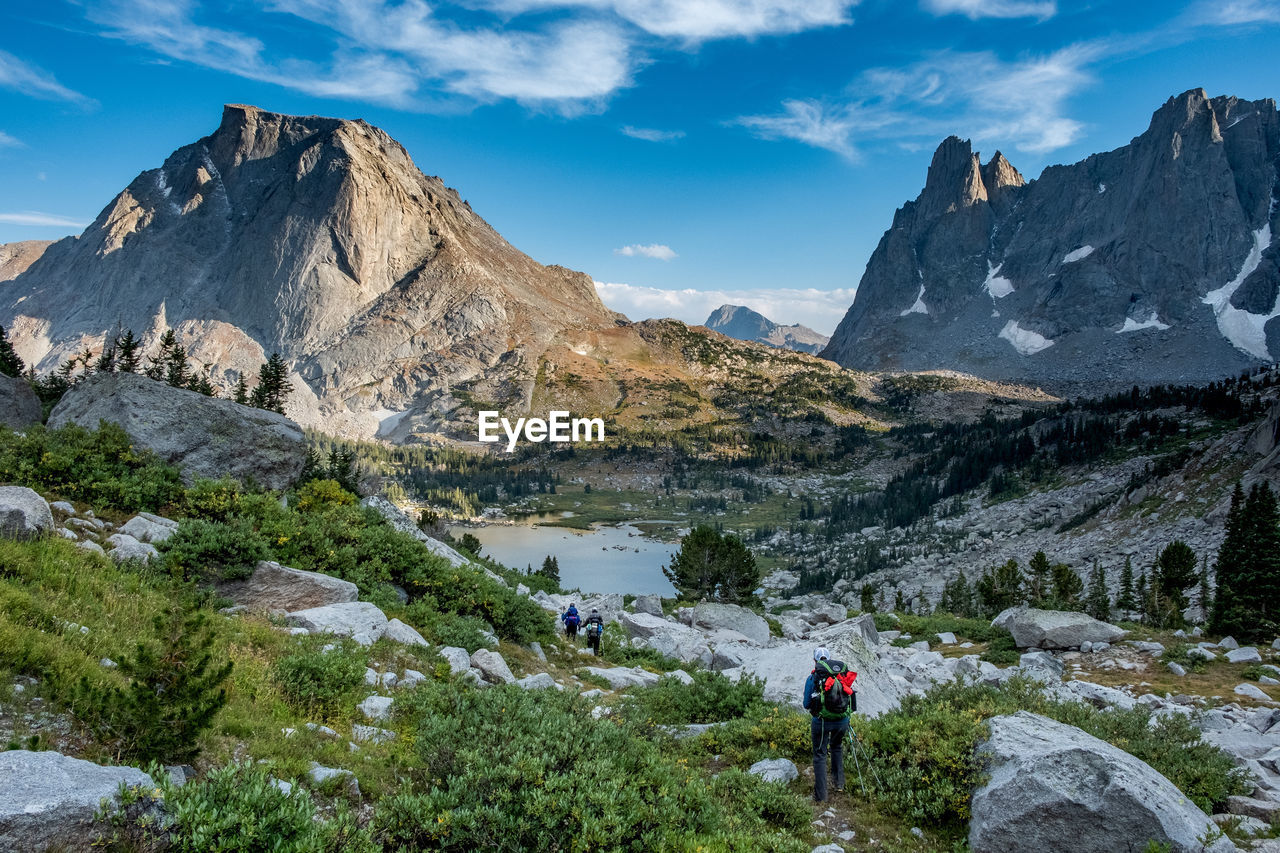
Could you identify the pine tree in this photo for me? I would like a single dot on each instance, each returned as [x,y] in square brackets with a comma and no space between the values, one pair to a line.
[176,370]
[1126,602]
[106,362]
[714,565]
[10,363]
[1098,602]
[1067,587]
[1000,588]
[868,596]
[1175,571]
[899,603]
[1039,578]
[1205,599]
[550,569]
[1227,615]
[128,353]
[158,369]
[273,385]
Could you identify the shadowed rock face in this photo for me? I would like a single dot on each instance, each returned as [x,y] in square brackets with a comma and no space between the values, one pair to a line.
[315,237]
[1152,263]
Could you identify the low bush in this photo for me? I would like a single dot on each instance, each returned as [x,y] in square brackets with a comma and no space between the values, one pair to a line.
[449,629]
[924,751]
[1180,653]
[316,681]
[616,648]
[99,467]
[214,551]
[769,731]
[711,698]
[556,778]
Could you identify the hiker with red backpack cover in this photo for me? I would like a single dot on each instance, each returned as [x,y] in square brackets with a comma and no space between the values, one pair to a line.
[830,699]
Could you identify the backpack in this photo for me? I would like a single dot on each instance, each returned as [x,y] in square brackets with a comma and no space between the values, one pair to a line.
[571,618]
[833,682]
[594,629]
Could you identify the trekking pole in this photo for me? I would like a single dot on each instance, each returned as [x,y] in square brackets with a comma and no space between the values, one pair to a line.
[856,766]
[867,756]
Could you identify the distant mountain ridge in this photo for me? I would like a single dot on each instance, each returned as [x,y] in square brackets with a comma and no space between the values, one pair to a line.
[1151,263]
[738,321]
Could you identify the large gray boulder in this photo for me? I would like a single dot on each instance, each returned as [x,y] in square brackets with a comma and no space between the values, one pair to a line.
[276,587]
[23,513]
[47,800]
[397,519]
[1055,787]
[712,616]
[622,677]
[1054,629]
[666,637]
[204,436]
[149,528]
[651,604]
[493,666]
[19,405]
[359,620]
[124,548]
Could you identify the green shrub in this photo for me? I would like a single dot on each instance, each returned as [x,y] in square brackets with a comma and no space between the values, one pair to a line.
[554,777]
[212,550]
[616,648]
[449,629]
[99,467]
[212,500]
[711,698]
[237,809]
[1179,653]
[172,694]
[770,731]
[318,494]
[1002,651]
[316,681]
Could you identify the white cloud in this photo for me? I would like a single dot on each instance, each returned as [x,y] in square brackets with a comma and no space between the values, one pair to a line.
[7,141]
[44,220]
[657,251]
[702,20]
[975,9]
[1240,12]
[651,135]
[1020,104]
[27,79]
[820,310]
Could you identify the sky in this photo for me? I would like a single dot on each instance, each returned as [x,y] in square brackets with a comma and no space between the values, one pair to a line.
[684,153]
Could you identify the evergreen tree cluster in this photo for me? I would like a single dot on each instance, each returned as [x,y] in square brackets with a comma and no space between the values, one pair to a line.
[714,565]
[10,363]
[1248,567]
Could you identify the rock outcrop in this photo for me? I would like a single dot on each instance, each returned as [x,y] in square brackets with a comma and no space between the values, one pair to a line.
[742,323]
[1055,787]
[359,620]
[19,405]
[1054,629]
[1151,263]
[204,436]
[48,800]
[276,587]
[320,239]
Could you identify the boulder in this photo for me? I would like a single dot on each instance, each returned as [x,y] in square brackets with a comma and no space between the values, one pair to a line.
[826,614]
[412,678]
[493,666]
[371,734]
[646,625]
[538,681]
[203,436]
[125,547]
[48,800]
[376,707]
[402,633]
[397,519]
[712,616]
[23,513]
[1054,787]
[276,587]
[359,620]
[725,657]
[946,638]
[793,627]
[19,405]
[651,604]
[775,770]
[680,675]
[319,774]
[865,626]
[458,659]
[1054,629]
[1251,692]
[1228,643]
[621,677]
[149,528]
[1248,654]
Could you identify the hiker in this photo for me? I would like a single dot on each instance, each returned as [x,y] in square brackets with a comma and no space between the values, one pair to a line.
[829,698]
[595,630]
[571,619]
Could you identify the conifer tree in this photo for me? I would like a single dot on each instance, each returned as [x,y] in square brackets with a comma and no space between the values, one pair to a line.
[868,596]
[1039,579]
[1175,571]
[176,371]
[550,569]
[1205,599]
[10,363]
[273,385]
[1230,568]
[1067,587]
[714,565]
[128,353]
[1098,601]
[1001,588]
[1126,602]
[106,362]
[241,394]
[899,603]
[158,369]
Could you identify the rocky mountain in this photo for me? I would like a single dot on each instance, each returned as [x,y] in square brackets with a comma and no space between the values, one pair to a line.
[740,322]
[315,237]
[1151,263]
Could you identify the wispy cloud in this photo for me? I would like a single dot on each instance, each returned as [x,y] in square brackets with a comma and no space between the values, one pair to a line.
[1020,103]
[651,135]
[43,220]
[1239,12]
[28,79]
[7,141]
[657,251]
[975,9]
[820,310]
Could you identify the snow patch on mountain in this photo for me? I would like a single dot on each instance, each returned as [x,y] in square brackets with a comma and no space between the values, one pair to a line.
[1245,330]
[1025,341]
[1078,254]
[1132,325]
[917,307]
[997,285]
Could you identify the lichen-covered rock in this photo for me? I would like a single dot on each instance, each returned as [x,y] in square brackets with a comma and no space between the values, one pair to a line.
[276,587]
[23,513]
[404,524]
[775,770]
[712,616]
[458,659]
[402,633]
[146,527]
[125,547]
[203,436]
[1054,787]
[48,800]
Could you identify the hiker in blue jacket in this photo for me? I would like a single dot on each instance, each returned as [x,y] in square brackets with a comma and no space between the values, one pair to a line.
[830,724]
[571,620]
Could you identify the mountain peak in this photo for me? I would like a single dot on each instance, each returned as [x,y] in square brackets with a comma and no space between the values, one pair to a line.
[954,180]
[740,322]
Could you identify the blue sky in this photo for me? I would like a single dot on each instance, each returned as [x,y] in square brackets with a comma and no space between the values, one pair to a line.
[682,152]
